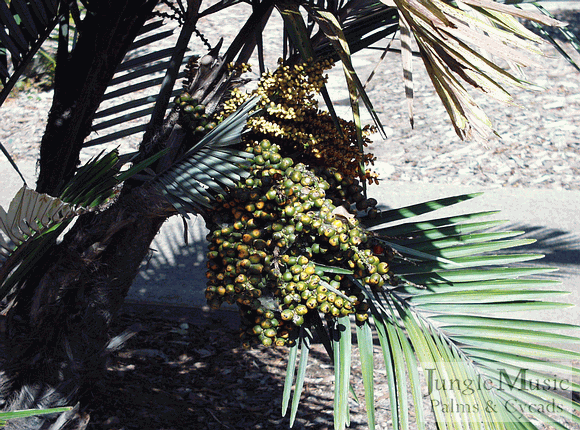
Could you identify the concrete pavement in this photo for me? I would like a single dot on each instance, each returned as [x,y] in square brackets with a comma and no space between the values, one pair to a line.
[175,271]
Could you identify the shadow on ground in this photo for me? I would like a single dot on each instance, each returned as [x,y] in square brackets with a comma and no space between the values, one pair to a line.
[176,375]
[559,247]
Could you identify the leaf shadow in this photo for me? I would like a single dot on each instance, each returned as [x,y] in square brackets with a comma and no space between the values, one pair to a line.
[201,377]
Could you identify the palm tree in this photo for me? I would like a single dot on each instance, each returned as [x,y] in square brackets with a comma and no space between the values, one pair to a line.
[60,295]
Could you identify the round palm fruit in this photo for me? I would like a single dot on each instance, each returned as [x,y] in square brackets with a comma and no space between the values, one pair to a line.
[298,320]
[287,314]
[274,230]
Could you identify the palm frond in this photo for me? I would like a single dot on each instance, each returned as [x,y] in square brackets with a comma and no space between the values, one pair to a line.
[24,27]
[122,114]
[304,342]
[568,35]
[5,416]
[456,325]
[34,221]
[365,344]
[30,214]
[27,230]
[341,336]
[209,166]
[448,35]
[443,343]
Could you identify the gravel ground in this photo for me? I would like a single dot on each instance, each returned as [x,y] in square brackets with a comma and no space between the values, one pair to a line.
[538,142]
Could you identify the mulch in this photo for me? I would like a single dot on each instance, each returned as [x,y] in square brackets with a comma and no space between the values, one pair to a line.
[186,369]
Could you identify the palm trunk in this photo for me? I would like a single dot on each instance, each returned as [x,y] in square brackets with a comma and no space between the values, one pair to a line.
[57,336]
[57,330]
[80,82]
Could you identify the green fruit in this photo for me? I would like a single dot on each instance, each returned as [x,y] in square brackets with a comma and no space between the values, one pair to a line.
[275,158]
[298,320]
[301,310]
[286,163]
[306,219]
[185,98]
[324,307]
[296,269]
[376,280]
[287,314]
[360,317]
[312,303]
[289,211]
[334,241]
[383,268]
[296,176]
[288,300]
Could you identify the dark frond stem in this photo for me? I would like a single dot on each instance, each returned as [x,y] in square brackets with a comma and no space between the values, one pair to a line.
[255,37]
[62,52]
[259,39]
[244,36]
[381,59]
[168,83]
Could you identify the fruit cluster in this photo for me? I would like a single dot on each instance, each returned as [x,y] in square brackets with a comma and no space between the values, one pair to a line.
[291,119]
[283,247]
[192,115]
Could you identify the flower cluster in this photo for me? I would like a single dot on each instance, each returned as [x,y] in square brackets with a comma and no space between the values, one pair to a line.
[291,118]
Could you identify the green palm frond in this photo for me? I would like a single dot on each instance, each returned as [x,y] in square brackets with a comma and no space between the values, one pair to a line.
[27,230]
[209,166]
[5,416]
[34,221]
[363,22]
[303,344]
[24,27]
[30,214]
[568,35]
[450,324]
